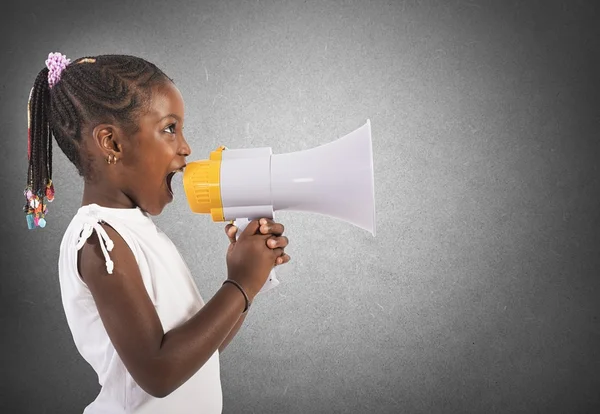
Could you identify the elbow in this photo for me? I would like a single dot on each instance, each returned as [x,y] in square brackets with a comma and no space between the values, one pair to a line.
[162,386]
[158,383]
[159,393]
[155,389]
[158,390]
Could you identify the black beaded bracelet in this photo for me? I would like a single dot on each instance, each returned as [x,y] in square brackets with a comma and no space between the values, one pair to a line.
[241,290]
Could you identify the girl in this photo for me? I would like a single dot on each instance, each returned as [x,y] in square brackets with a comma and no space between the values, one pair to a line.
[134,311]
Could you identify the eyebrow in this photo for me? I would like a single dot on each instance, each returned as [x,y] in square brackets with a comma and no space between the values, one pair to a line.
[170,116]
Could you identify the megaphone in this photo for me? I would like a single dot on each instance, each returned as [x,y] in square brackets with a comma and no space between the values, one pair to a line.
[241,185]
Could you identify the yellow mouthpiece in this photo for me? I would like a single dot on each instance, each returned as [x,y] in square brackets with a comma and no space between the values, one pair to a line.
[202,184]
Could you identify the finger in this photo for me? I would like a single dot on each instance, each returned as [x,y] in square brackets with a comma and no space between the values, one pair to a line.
[231,231]
[264,221]
[265,224]
[278,252]
[274,242]
[250,229]
[282,259]
[270,227]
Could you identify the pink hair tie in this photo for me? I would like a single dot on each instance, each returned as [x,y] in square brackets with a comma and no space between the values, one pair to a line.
[56,63]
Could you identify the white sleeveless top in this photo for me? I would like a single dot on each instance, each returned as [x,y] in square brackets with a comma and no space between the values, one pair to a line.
[173,293]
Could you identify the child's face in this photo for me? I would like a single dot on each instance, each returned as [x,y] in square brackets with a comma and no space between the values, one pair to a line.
[160,150]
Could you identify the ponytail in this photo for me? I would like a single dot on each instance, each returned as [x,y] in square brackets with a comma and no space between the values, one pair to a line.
[39,190]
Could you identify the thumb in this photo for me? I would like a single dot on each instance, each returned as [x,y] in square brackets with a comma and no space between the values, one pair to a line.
[231,231]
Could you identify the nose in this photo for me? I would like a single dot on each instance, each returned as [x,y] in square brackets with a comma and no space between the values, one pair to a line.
[184,148]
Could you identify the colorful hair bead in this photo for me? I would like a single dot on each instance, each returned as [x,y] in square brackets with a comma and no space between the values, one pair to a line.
[30,221]
[50,191]
[35,207]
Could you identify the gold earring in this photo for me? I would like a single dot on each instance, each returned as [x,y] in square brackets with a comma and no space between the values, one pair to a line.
[111,159]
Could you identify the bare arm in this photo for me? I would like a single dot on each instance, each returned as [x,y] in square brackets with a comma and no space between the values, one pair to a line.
[158,362]
[233,332]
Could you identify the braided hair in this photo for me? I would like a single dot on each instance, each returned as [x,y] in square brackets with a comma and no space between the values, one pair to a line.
[65,98]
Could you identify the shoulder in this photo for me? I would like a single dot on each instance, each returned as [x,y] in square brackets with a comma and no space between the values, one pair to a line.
[111,271]
[101,245]
[111,226]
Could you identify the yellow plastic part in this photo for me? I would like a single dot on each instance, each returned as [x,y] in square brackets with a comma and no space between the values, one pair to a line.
[202,184]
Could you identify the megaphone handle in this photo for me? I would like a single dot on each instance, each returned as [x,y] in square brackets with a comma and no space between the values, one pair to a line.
[241,224]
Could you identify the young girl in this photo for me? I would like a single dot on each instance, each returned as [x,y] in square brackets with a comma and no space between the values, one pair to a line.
[134,311]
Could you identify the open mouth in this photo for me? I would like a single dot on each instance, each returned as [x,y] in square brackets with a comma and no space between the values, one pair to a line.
[170,176]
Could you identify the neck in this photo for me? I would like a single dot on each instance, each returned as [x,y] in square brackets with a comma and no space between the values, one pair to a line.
[94,193]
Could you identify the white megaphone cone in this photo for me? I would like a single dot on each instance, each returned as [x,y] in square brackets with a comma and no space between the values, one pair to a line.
[334,179]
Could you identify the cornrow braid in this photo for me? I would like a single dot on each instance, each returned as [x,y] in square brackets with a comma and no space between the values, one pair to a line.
[39,188]
[68,97]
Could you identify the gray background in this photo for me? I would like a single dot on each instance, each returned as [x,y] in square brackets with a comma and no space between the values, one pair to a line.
[479,293]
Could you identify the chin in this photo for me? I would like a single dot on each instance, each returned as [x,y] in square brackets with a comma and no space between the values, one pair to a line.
[156,209]
[154,212]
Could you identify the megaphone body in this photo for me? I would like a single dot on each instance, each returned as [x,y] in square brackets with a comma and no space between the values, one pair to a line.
[240,185]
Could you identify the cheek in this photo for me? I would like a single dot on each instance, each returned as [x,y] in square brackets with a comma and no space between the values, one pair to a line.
[143,155]
[154,164]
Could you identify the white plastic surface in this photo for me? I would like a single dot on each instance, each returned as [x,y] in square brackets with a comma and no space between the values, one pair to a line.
[246,183]
[233,154]
[252,212]
[335,179]
[272,281]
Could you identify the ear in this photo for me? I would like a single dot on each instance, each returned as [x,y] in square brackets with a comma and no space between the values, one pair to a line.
[108,139]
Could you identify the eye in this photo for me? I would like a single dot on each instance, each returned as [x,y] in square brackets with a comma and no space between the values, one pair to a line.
[170,129]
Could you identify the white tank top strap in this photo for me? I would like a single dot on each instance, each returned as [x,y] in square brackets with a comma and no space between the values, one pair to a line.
[106,244]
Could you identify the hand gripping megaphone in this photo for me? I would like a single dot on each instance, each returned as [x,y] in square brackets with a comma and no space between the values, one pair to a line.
[240,185]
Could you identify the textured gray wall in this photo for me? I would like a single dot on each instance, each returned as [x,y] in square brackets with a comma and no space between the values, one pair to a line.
[480,292]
